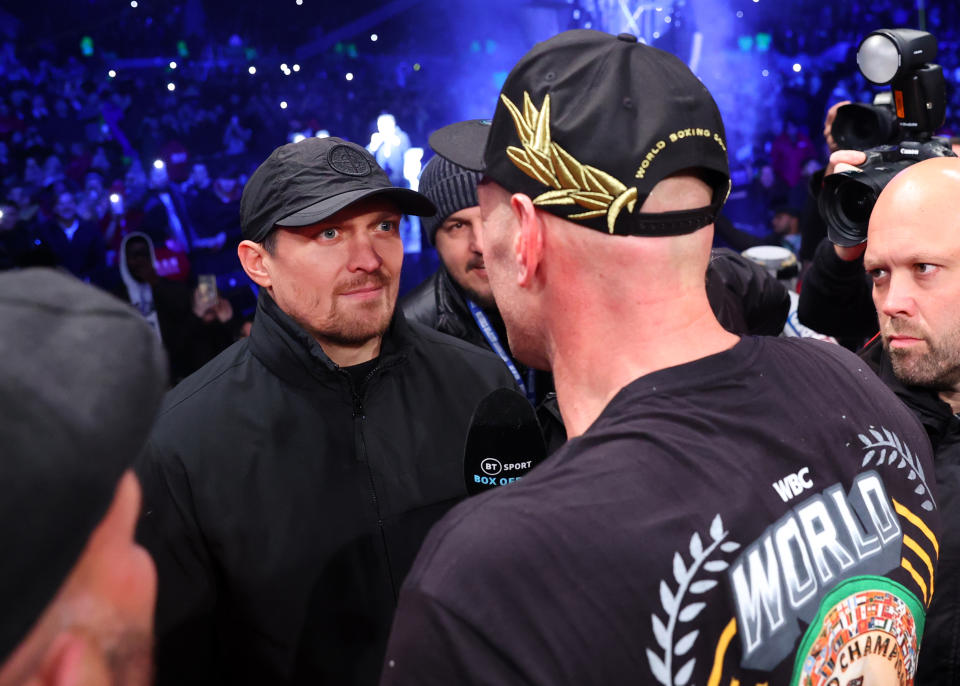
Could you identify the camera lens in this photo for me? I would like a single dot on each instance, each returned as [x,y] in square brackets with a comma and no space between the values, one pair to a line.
[856,202]
[847,199]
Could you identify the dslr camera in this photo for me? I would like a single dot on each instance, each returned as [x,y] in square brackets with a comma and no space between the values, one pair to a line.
[893,135]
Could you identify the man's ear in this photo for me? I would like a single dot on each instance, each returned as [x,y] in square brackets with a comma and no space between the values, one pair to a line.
[528,242]
[77,662]
[254,259]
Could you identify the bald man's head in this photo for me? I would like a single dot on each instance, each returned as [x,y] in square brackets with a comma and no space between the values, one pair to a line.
[913,256]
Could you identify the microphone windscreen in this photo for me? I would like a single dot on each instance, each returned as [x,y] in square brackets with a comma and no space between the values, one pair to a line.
[504,441]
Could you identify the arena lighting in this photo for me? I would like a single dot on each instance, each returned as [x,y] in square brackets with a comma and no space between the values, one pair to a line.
[765,72]
[112,74]
[797,67]
[885,55]
[323,133]
[373,37]
[297,137]
[158,164]
[349,76]
[299,2]
[283,104]
[173,65]
[252,70]
[296,67]
[283,67]
[667,19]
[133,4]
[412,164]
[114,198]
[171,86]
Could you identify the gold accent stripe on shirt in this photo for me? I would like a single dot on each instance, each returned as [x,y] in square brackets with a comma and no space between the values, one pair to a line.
[905,563]
[919,523]
[922,554]
[717,672]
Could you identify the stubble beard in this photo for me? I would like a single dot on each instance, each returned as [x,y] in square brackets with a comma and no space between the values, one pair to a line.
[485,301]
[938,368]
[357,324]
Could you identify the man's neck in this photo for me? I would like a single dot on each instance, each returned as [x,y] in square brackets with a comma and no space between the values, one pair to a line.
[591,368]
[350,355]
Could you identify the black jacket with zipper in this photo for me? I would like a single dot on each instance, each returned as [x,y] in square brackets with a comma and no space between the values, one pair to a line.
[283,508]
[939,663]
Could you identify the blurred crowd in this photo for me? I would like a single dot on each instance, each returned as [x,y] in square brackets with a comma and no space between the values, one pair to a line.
[90,155]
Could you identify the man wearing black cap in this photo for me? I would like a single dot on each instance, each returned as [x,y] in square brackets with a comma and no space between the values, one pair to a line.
[718,516]
[81,377]
[290,481]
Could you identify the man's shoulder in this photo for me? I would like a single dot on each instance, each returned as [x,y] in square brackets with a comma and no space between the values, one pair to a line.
[488,535]
[210,381]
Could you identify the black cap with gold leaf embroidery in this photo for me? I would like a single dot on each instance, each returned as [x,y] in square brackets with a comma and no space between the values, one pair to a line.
[588,123]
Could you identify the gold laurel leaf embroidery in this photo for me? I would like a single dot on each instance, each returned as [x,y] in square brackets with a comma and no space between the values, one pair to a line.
[519,157]
[628,198]
[537,159]
[554,198]
[541,141]
[529,111]
[542,159]
[579,179]
[566,173]
[592,201]
[524,131]
[610,184]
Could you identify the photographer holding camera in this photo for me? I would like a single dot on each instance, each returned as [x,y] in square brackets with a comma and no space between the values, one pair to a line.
[894,228]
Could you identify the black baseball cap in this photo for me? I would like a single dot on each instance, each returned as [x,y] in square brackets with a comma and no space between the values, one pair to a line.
[305,182]
[588,123]
[81,378]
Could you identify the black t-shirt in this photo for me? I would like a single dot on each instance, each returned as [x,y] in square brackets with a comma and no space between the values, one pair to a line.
[711,514]
[360,374]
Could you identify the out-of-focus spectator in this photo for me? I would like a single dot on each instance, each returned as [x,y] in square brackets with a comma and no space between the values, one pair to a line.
[789,151]
[77,245]
[193,330]
[235,137]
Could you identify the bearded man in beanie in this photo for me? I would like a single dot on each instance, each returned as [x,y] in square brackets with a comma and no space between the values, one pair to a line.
[81,378]
[728,509]
[290,481]
[457,299]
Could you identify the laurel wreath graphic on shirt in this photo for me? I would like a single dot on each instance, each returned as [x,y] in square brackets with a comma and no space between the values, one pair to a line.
[677,613]
[886,445]
[574,183]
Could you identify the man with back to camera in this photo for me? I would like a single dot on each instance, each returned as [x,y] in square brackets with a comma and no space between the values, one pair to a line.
[722,512]
[290,481]
[81,378]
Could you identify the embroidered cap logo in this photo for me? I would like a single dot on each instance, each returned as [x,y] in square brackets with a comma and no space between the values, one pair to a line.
[575,184]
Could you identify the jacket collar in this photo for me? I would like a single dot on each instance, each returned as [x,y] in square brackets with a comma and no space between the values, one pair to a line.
[936,416]
[296,357]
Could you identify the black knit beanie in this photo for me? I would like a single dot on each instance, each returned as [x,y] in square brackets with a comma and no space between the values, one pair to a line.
[448,186]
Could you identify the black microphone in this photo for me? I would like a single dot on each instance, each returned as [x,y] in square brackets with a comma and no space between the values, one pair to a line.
[504,441]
